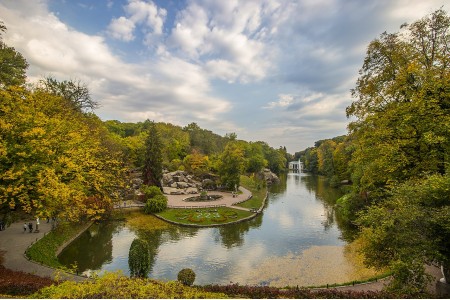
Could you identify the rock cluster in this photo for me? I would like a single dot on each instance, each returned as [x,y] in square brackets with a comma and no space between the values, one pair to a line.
[180,183]
[270,177]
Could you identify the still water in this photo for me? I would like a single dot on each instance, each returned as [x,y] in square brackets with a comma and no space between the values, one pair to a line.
[295,241]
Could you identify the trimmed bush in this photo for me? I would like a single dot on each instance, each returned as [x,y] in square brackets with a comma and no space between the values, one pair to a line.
[156,204]
[139,258]
[186,276]
[150,191]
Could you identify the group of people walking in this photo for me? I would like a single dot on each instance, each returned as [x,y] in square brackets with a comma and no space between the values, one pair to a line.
[28,226]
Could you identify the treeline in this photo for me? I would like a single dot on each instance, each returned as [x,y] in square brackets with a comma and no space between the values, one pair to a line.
[397,153]
[194,149]
[58,159]
[330,158]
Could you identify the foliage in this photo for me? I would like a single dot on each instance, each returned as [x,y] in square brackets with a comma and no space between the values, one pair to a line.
[139,221]
[44,250]
[139,258]
[156,204]
[402,106]
[186,276]
[19,283]
[52,158]
[150,191]
[117,286]
[257,188]
[231,164]
[409,229]
[12,64]
[196,163]
[266,292]
[152,171]
[75,92]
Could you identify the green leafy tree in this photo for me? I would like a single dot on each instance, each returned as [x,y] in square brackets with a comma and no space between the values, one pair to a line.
[156,204]
[402,107]
[230,165]
[13,65]
[139,260]
[152,171]
[408,230]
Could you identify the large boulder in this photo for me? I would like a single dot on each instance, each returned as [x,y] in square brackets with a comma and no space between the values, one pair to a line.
[270,177]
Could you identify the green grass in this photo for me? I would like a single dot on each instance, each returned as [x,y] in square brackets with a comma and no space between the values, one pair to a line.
[258,190]
[44,250]
[204,216]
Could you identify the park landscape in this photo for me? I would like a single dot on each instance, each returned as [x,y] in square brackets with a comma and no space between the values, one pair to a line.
[155,210]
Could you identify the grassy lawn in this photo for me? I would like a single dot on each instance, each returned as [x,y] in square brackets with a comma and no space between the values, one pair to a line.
[204,216]
[258,191]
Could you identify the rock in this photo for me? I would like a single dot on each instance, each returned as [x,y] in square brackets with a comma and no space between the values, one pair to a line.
[182,185]
[172,191]
[191,190]
[173,185]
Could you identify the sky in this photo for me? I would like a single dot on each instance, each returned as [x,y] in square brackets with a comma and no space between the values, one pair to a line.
[278,71]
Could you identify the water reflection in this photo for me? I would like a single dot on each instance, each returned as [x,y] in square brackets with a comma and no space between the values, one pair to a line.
[298,216]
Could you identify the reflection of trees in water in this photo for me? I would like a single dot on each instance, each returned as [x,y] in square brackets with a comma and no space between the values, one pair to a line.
[319,185]
[279,187]
[322,189]
[233,235]
[92,248]
[155,238]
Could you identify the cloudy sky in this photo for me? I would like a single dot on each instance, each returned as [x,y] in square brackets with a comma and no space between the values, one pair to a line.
[279,71]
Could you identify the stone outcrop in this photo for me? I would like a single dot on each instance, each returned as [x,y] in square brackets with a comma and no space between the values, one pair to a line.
[269,176]
[180,183]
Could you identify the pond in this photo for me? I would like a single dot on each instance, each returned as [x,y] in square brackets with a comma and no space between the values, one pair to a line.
[296,240]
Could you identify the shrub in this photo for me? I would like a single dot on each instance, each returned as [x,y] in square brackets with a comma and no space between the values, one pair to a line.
[186,276]
[150,191]
[156,204]
[139,258]
[117,286]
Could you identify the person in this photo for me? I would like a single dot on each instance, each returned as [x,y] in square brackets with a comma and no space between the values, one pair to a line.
[30,227]
[25,226]
[2,225]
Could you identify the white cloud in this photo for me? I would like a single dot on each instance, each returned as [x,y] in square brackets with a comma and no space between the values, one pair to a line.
[121,29]
[166,88]
[147,15]
[283,101]
[228,37]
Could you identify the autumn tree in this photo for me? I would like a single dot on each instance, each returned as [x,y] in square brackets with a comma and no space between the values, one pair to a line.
[152,170]
[54,162]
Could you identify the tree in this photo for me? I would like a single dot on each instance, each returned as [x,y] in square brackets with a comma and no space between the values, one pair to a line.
[152,171]
[402,106]
[76,92]
[139,260]
[408,230]
[231,164]
[12,64]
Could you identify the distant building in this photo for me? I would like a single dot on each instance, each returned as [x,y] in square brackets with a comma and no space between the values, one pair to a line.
[295,165]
